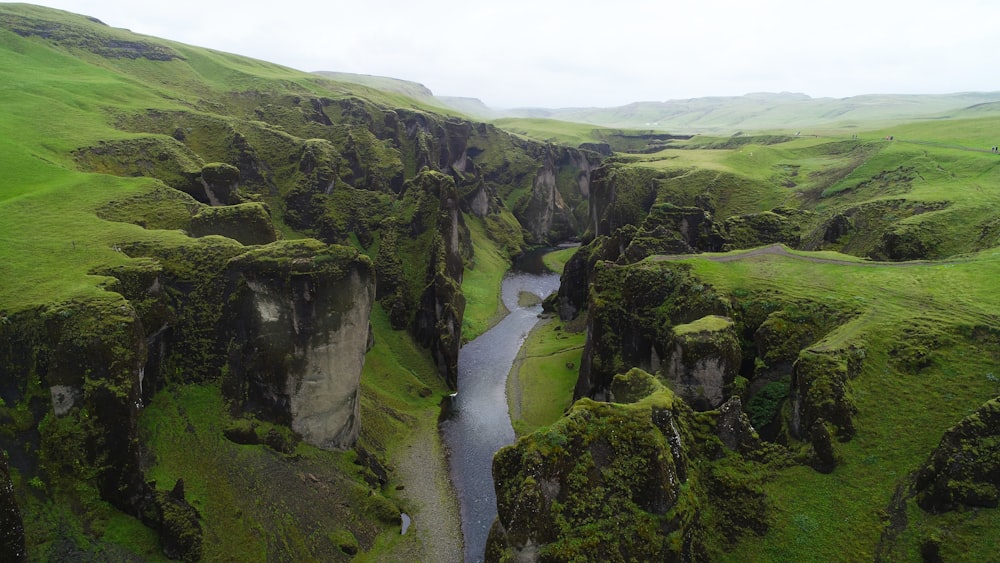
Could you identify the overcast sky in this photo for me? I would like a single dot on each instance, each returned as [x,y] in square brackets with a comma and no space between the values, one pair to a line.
[563,53]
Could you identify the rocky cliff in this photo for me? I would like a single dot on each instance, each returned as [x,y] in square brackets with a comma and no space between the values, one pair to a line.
[963,471]
[11,525]
[300,333]
[623,480]
[346,170]
[286,323]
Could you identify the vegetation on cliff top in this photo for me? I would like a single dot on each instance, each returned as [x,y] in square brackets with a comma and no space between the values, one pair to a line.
[111,145]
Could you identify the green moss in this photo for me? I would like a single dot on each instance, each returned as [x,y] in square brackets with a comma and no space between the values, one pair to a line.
[765,405]
[248,223]
[710,323]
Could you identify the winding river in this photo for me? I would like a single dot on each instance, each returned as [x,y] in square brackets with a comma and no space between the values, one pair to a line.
[478,423]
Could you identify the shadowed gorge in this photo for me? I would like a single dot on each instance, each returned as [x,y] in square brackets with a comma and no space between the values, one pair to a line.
[233,299]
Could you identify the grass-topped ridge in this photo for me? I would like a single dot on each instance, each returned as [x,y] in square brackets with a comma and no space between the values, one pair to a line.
[707,324]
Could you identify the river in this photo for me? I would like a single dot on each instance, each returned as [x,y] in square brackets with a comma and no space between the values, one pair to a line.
[479,423]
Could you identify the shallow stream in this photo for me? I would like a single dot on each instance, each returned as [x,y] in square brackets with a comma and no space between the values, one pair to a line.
[478,423]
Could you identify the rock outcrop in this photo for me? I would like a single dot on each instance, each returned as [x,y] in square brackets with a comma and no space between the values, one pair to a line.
[964,470]
[301,324]
[704,361]
[605,480]
[819,390]
[631,312]
[248,223]
[80,365]
[555,211]
[637,479]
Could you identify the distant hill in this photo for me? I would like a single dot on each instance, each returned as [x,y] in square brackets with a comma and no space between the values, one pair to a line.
[771,111]
[473,107]
[717,114]
[413,90]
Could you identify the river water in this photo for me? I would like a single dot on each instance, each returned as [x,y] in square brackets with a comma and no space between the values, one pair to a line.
[479,423]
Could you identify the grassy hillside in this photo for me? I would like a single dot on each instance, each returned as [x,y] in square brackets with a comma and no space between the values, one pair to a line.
[927,363]
[58,100]
[97,128]
[939,178]
[921,329]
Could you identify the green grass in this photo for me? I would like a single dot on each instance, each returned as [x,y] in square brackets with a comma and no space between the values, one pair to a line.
[552,130]
[53,102]
[481,282]
[556,260]
[824,517]
[711,323]
[541,382]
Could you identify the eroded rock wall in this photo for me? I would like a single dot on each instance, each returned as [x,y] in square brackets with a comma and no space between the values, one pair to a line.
[11,525]
[644,478]
[613,472]
[302,330]
[964,470]
[704,361]
[631,312]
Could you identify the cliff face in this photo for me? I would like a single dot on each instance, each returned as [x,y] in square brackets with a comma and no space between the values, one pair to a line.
[347,170]
[632,477]
[603,471]
[79,366]
[11,525]
[964,470]
[560,191]
[302,334]
[293,317]
[704,362]
[630,314]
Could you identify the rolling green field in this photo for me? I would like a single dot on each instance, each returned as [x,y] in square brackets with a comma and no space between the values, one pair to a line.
[902,410]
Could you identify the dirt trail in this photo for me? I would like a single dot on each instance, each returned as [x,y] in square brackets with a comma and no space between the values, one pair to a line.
[423,470]
[782,250]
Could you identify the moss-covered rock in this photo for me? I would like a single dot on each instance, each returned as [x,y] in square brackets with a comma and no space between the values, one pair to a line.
[631,312]
[221,183]
[734,428]
[561,184]
[704,360]
[604,481]
[300,332]
[177,522]
[248,223]
[649,480]
[820,390]
[781,225]
[160,157]
[633,386]
[159,208]
[964,469]
[909,241]
[669,229]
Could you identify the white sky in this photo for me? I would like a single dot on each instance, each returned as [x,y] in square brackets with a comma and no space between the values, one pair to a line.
[564,53]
